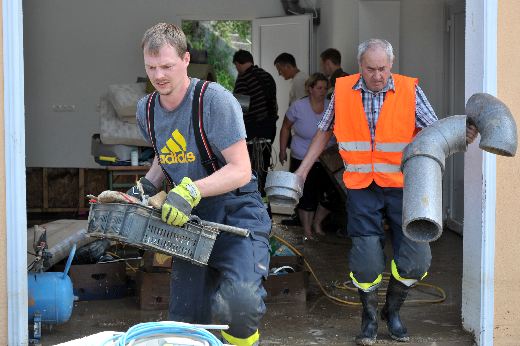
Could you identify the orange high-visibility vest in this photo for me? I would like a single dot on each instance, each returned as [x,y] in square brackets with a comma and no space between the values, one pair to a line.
[379,161]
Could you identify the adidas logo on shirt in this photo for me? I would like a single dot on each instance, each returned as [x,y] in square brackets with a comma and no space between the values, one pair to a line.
[174,151]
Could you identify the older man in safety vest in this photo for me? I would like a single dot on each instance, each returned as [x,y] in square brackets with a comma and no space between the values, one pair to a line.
[374,114]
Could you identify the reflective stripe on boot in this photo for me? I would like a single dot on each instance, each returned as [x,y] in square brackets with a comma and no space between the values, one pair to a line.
[396,294]
[252,340]
[368,318]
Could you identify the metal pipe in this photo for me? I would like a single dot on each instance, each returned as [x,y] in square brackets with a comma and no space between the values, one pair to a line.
[495,124]
[423,165]
[424,159]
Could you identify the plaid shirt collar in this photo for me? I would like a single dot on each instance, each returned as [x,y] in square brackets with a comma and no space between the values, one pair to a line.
[360,85]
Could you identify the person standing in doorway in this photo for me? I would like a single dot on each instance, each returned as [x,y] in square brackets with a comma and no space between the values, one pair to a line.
[260,120]
[301,118]
[330,65]
[285,64]
[374,114]
[220,189]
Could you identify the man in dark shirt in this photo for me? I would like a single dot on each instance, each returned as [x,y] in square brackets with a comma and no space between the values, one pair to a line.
[330,64]
[260,119]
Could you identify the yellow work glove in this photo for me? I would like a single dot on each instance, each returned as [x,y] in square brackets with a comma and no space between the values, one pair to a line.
[180,201]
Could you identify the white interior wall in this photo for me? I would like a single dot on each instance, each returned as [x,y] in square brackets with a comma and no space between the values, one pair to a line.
[73,49]
[420,49]
[423,30]
[339,29]
[381,19]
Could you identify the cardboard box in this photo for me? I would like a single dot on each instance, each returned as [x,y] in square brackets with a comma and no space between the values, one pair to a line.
[153,290]
[155,262]
[287,287]
[99,281]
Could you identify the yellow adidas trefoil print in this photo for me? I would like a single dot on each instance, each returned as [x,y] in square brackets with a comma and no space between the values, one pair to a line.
[175,150]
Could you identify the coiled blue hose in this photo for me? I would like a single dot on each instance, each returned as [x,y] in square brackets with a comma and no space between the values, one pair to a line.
[166,329]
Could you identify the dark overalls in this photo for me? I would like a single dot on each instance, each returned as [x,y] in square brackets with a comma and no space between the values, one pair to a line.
[366,209]
[229,290]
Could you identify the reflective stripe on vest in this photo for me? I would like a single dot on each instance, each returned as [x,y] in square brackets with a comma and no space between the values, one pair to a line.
[378,167]
[386,168]
[355,146]
[390,147]
[377,159]
[359,168]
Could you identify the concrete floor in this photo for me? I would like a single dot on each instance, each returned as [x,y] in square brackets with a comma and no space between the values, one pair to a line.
[319,321]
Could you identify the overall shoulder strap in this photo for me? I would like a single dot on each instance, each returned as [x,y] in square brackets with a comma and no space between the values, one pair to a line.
[208,158]
[150,107]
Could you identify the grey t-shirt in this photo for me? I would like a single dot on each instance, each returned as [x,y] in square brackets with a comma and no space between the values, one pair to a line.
[175,141]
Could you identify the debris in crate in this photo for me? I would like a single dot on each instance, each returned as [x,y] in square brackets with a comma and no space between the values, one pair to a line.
[140,225]
[110,196]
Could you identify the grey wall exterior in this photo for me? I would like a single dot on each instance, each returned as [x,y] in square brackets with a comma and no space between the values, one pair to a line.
[422,34]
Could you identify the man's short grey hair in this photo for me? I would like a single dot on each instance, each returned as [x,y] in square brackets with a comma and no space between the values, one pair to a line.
[162,34]
[375,43]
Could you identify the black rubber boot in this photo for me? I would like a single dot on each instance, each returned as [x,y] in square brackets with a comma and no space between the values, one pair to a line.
[395,296]
[368,318]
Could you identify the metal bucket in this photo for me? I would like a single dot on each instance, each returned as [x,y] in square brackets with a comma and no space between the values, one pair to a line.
[284,188]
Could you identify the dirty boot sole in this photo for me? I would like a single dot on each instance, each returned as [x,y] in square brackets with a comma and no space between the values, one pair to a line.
[365,341]
[405,338]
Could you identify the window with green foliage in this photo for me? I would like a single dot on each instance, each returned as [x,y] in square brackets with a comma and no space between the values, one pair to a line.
[220,39]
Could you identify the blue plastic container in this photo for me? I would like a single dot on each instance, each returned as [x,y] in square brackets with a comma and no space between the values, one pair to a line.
[50,295]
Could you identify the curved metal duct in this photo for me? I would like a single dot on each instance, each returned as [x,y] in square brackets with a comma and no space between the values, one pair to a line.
[423,165]
[494,122]
[424,160]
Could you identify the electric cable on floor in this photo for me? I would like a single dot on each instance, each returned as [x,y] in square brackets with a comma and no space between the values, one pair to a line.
[345,286]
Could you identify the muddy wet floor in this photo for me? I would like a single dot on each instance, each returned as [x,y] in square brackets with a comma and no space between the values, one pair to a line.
[319,320]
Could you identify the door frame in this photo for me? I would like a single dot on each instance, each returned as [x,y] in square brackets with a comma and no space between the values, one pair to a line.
[14,146]
[304,21]
[453,214]
[480,178]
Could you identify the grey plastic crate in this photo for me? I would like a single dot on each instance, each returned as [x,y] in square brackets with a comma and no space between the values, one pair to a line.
[143,227]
